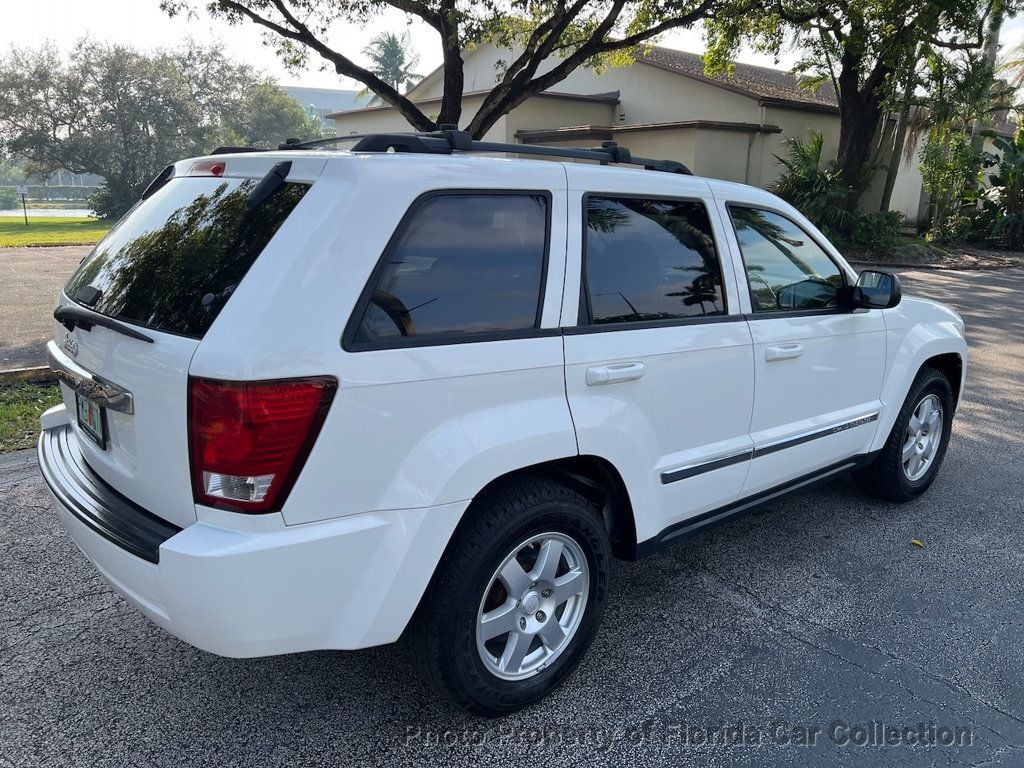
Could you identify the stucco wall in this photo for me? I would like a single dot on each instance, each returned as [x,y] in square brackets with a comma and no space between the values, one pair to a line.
[647,94]
[652,95]
[543,113]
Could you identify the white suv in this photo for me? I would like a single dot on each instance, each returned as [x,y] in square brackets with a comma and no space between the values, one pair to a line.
[323,399]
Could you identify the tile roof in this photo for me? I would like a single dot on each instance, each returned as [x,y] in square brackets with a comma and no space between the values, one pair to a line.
[763,83]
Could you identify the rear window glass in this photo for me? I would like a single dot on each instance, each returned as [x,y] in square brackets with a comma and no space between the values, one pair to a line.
[462,264]
[651,260]
[173,262]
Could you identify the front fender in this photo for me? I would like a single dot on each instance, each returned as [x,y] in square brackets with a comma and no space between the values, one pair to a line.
[916,331]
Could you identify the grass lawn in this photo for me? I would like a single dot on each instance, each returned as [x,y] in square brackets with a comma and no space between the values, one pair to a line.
[20,407]
[50,230]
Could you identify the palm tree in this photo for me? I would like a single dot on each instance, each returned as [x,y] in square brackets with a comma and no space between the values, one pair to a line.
[392,60]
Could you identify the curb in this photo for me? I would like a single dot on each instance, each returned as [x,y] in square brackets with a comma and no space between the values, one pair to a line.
[37,375]
[50,245]
[936,267]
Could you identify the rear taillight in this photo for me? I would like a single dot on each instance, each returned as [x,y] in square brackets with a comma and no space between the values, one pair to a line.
[249,440]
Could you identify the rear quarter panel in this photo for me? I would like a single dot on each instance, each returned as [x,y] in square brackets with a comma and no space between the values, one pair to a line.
[413,427]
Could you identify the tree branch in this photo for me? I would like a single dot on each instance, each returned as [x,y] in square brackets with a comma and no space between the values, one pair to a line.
[301,33]
[597,44]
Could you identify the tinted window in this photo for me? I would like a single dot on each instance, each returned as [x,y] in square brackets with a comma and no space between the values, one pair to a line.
[786,269]
[650,260]
[462,264]
[173,262]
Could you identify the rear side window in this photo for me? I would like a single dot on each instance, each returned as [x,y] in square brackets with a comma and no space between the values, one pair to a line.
[461,266]
[173,262]
[650,260]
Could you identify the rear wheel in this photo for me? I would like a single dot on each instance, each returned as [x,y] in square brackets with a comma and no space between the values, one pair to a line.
[517,599]
[911,457]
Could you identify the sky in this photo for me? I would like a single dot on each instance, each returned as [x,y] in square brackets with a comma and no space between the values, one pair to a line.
[142,24]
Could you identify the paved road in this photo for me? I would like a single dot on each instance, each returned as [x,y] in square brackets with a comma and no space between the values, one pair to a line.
[817,611]
[30,279]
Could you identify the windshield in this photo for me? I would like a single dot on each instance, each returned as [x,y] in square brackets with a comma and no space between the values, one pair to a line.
[173,262]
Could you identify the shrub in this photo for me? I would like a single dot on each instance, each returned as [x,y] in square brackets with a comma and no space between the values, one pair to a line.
[818,194]
[876,231]
[9,198]
[1008,192]
[111,203]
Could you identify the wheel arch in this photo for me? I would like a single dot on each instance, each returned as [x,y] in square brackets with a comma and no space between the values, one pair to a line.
[951,364]
[920,348]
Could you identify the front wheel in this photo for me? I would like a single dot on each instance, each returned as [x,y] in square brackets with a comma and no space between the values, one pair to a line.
[910,459]
[516,600]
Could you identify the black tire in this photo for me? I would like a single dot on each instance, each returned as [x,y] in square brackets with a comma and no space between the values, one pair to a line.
[442,637]
[885,478]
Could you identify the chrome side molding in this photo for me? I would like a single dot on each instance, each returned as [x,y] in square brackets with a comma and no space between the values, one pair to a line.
[88,384]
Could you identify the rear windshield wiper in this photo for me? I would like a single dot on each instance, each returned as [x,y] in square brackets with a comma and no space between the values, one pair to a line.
[71,315]
[268,185]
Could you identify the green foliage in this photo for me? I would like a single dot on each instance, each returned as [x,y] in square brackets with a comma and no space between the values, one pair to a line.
[124,114]
[876,231]
[866,49]
[21,405]
[819,194]
[58,192]
[948,168]
[549,40]
[392,59]
[1005,203]
[9,198]
[264,115]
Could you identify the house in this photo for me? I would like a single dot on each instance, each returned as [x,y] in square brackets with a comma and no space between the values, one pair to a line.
[664,106]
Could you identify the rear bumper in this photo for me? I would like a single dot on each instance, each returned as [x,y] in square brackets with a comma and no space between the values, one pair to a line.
[345,583]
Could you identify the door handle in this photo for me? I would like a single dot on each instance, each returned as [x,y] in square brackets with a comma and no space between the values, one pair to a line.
[783,352]
[616,372]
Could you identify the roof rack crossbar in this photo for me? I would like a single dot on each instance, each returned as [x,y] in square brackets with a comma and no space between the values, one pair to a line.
[449,140]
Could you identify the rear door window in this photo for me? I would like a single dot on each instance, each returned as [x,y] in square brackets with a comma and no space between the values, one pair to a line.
[461,267]
[173,262]
[650,261]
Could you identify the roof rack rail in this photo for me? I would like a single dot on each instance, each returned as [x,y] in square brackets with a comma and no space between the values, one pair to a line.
[236,150]
[448,140]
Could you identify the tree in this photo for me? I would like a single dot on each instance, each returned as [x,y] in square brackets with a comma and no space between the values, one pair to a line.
[960,96]
[862,46]
[124,115]
[266,115]
[392,60]
[562,36]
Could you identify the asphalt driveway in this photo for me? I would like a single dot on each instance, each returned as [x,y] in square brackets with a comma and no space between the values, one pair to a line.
[30,279]
[792,631]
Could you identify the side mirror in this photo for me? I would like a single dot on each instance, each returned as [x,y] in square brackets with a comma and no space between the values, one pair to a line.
[876,290]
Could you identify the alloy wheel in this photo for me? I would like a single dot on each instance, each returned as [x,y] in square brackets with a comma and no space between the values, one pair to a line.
[922,438]
[532,606]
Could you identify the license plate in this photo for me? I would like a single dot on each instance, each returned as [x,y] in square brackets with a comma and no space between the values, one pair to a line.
[92,419]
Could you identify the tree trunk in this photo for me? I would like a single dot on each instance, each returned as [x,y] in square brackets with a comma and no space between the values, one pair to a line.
[454,77]
[859,114]
[892,170]
[991,54]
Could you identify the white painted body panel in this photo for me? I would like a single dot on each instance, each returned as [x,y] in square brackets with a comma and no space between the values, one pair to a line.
[146,458]
[241,586]
[836,377]
[414,434]
[693,401]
